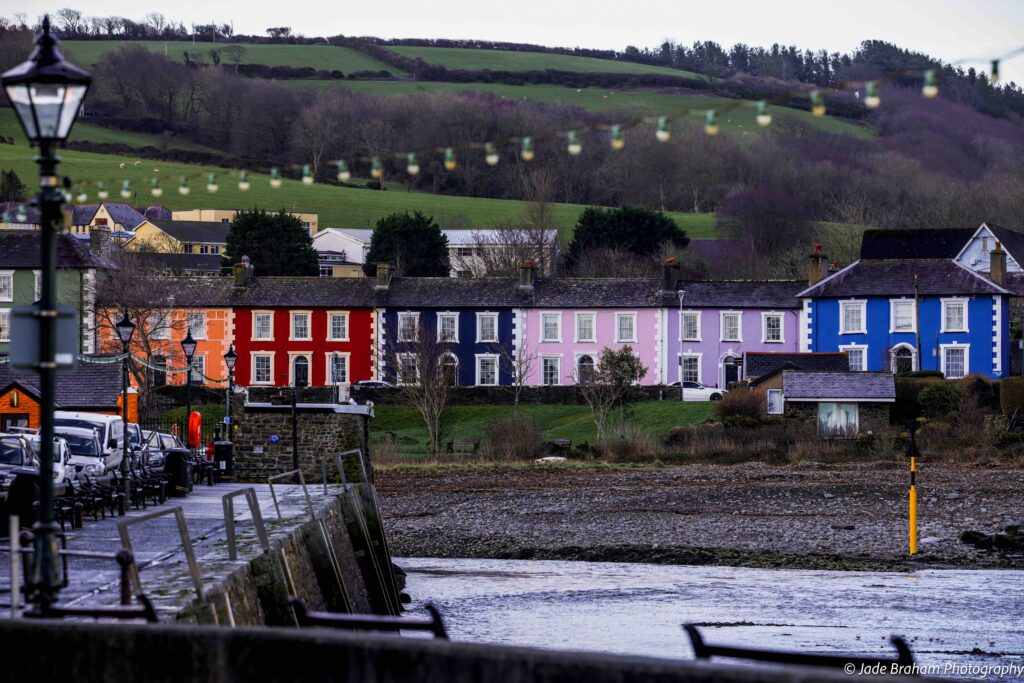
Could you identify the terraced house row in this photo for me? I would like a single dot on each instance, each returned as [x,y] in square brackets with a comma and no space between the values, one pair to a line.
[926,299]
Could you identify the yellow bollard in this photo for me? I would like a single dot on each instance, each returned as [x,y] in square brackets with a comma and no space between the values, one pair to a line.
[913,507]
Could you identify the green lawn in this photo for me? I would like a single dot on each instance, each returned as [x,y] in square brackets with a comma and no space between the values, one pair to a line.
[557,421]
[510,60]
[88,53]
[740,121]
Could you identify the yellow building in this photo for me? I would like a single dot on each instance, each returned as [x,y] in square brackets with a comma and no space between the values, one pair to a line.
[180,237]
[310,221]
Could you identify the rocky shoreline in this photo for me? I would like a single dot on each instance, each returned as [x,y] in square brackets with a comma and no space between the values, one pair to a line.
[810,516]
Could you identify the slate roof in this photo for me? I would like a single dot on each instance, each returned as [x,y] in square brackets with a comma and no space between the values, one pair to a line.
[448,292]
[298,292]
[599,293]
[188,292]
[179,263]
[157,212]
[20,249]
[741,293]
[935,277]
[211,232]
[1012,241]
[1015,283]
[760,364]
[914,244]
[809,386]
[88,385]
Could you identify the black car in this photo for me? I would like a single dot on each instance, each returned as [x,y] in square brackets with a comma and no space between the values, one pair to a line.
[157,445]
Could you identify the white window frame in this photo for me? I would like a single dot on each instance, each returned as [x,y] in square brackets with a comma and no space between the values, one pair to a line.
[5,313]
[576,361]
[399,359]
[949,347]
[782,402]
[631,315]
[7,275]
[862,304]
[739,326]
[37,279]
[292,355]
[201,336]
[448,314]
[837,404]
[344,315]
[700,366]
[558,374]
[198,362]
[252,367]
[855,347]
[593,327]
[764,327]
[497,369]
[160,330]
[406,315]
[558,318]
[682,316]
[329,364]
[480,318]
[945,321]
[455,359]
[893,303]
[255,326]
[291,327]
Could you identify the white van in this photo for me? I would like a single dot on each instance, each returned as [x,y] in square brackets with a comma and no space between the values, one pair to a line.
[109,429]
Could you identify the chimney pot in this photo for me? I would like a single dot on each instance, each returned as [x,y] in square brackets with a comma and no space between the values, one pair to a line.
[99,240]
[526,274]
[997,265]
[243,272]
[817,267]
[383,275]
[669,274]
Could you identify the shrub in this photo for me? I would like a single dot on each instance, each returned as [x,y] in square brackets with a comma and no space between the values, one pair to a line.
[1011,395]
[939,399]
[635,444]
[513,437]
[922,374]
[739,422]
[979,387]
[907,406]
[742,401]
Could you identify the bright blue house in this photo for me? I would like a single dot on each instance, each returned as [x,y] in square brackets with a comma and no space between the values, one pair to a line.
[900,315]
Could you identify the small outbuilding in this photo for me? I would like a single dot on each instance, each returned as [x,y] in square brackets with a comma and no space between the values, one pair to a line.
[840,403]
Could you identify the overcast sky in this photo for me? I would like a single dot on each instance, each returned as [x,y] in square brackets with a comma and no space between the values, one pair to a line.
[948,29]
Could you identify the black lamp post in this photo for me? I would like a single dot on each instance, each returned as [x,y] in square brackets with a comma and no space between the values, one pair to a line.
[46,93]
[230,358]
[188,345]
[125,329]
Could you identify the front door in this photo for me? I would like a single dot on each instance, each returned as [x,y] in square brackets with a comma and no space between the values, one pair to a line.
[731,371]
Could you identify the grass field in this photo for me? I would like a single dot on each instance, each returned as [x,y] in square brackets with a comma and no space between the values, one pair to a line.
[510,60]
[88,53]
[556,421]
[649,102]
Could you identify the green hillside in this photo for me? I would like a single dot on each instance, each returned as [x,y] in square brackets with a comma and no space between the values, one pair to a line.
[597,99]
[88,53]
[513,60]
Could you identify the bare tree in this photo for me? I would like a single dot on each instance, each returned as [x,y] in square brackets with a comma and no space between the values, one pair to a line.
[235,52]
[609,385]
[70,22]
[500,251]
[518,364]
[156,22]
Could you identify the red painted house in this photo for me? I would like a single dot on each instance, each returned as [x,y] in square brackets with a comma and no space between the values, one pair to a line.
[294,331]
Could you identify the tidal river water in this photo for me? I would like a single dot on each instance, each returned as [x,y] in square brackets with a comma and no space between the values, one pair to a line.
[958,620]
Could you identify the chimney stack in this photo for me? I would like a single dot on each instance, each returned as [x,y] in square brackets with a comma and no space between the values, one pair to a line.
[383,275]
[997,265]
[817,266]
[526,274]
[243,272]
[99,240]
[669,274]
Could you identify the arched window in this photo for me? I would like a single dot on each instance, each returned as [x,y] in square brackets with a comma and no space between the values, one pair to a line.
[300,372]
[585,369]
[450,368]
[903,359]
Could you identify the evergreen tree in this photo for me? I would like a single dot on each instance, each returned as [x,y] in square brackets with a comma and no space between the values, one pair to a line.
[276,243]
[11,187]
[413,242]
[630,229]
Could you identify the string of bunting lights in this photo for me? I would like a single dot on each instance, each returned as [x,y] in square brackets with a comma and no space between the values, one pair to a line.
[111,360]
[526,145]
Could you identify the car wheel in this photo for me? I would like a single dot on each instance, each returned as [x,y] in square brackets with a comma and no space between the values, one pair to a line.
[716,397]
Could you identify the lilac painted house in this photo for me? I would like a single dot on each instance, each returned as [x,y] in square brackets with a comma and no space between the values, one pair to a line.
[713,324]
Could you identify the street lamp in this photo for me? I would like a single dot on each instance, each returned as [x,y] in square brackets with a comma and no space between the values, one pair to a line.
[682,368]
[125,329]
[230,358]
[188,345]
[46,93]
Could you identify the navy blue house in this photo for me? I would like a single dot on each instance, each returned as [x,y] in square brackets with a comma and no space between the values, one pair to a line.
[471,323]
[899,315]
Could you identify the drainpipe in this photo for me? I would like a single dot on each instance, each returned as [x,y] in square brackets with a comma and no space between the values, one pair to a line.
[917,325]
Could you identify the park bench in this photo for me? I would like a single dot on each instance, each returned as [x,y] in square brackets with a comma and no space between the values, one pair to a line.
[560,445]
[464,445]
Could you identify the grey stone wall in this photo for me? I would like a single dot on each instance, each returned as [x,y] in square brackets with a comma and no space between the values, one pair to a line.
[873,417]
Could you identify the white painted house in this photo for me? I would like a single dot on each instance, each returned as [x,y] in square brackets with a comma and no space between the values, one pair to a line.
[975,254]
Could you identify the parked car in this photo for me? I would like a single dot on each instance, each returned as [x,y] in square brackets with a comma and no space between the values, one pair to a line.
[63,467]
[158,445]
[86,453]
[135,440]
[695,391]
[15,452]
[372,384]
[109,429]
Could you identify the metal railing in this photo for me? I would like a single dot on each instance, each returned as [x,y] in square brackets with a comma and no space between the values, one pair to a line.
[371,622]
[228,501]
[302,480]
[186,543]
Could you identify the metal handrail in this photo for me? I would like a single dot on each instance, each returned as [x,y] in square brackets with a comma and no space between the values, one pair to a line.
[186,542]
[371,622]
[302,481]
[337,462]
[229,519]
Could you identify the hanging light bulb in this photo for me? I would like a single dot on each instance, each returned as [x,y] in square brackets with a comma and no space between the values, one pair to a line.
[101,190]
[574,146]
[211,183]
[243,181]
[138,164]
[664,132]
[412,167]
[871,98]
[275,178]
[449,159]
[994,71]
[764,119]
[930,88]
[817,103]
[376,170]
[81,197]
[22,216]
[618,141]
[490,154]
[183,188]
[156,171]
[307,174]
[710,123]
[343,174]
[526,153]
[122,165]
[154,187]
[126,189]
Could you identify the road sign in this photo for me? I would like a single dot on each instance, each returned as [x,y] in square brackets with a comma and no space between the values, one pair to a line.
[25,351]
